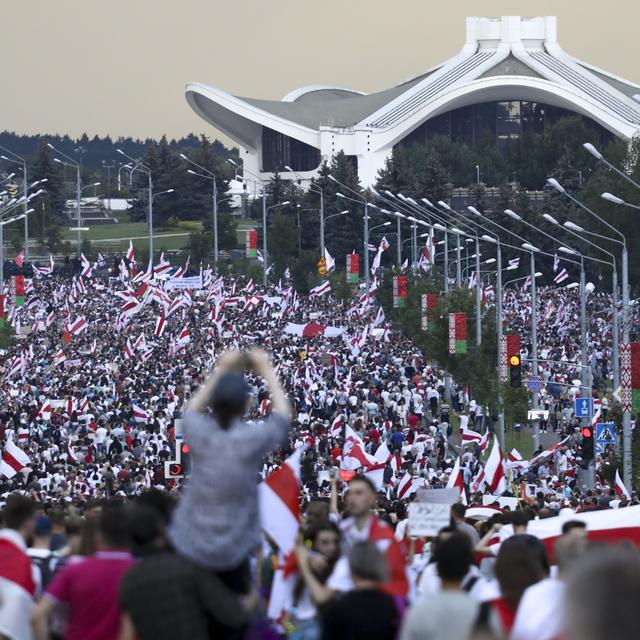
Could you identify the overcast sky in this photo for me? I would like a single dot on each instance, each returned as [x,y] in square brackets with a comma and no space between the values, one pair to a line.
[120,66]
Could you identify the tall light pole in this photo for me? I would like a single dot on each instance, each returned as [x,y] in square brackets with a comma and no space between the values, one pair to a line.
[21,161]
[319,190]
[143,168]
[108,165]
[399,217]
[211,176]
[265,211]
[573,229]
[626,413]
[3,222]
[76,164]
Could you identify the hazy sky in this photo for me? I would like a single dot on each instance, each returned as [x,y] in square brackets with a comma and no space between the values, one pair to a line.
[120,66]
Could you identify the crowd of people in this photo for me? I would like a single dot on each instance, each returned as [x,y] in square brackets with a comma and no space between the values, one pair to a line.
[109,373]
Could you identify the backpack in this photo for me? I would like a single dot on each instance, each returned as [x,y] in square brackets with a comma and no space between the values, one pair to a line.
[46,567]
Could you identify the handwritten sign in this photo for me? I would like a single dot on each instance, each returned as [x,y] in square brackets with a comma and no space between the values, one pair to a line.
[426,518]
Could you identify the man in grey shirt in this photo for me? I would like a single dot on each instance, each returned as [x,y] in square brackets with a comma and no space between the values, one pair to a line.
[216,523]
[451,613]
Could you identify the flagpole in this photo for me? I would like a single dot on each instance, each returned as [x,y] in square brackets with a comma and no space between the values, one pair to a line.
[478,294]
[534,350]
[501,433]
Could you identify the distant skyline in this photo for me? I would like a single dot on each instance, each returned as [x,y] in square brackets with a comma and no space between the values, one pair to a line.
[135,56]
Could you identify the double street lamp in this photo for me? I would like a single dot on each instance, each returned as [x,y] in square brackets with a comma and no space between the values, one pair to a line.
[265,211]
[622,241]
[19,160]
[211,176]
[143,168]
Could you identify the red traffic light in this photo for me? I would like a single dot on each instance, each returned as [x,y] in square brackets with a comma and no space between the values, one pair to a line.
[587,432]
[185,448]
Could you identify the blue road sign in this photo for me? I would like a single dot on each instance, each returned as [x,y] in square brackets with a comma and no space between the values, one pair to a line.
[534,383]
[583,407]
[606,433]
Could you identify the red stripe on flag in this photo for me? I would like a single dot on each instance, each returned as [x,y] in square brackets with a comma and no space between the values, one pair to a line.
[284,483]
[12,462]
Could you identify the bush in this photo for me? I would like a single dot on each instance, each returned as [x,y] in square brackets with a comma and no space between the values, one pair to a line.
[189,225]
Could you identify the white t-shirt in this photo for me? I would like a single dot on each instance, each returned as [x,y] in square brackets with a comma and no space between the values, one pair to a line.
[540,614]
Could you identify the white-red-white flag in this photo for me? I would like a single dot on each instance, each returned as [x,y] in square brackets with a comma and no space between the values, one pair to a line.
[279,502]
[620,488]
[320,290]
[561,277]
[456,481]
[495,477]
[86,266]
[139,414]
[77,327]
[375,473]
[130,255]
[406,486]
[14,459]
[161,323]
[128,350]
[336,427]
[45,411]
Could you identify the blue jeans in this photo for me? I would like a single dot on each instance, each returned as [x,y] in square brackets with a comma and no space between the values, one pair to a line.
[306,630]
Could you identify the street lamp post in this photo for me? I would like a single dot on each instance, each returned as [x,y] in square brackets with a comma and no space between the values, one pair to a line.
[320,191]
[76,164]
[208,175]
[265,211]
[535,402]
[21,161]
[3,222]
[139,166]
[626,413]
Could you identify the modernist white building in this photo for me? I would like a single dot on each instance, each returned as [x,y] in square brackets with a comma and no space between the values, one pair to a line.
[510,76]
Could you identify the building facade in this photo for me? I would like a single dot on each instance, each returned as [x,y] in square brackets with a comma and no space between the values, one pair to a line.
[510,77]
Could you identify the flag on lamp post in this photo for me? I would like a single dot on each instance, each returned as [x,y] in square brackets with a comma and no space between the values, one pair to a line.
[252,243]
[429,302]
[353,268]
[458,332]
[399,292]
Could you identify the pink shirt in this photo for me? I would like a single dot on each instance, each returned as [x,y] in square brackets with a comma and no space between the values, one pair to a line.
[90,589]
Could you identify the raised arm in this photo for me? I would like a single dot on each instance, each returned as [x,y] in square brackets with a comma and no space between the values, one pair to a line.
[260,364]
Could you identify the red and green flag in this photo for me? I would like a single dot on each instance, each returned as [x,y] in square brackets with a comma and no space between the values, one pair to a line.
[399,292]
[252,243]
[458,332]
[18,285]
[635,377]
[429,302]
[353,268]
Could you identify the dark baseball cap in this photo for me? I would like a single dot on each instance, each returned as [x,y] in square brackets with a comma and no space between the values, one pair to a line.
[229,397]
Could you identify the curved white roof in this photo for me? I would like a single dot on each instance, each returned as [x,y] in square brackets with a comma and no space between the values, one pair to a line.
[503,58]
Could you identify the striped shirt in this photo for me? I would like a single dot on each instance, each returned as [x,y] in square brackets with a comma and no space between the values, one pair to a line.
[216,523]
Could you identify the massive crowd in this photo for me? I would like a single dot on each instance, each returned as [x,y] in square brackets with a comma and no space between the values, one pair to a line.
[94,400]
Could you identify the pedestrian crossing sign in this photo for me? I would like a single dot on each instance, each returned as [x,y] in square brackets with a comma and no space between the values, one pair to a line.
[606,433]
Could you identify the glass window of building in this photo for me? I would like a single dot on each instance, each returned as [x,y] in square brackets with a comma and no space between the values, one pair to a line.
[279,151]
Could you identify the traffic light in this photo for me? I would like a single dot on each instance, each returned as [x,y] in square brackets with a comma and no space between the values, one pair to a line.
[322,267]
[587,443]
[185,458]
[181,466]
[515,368]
